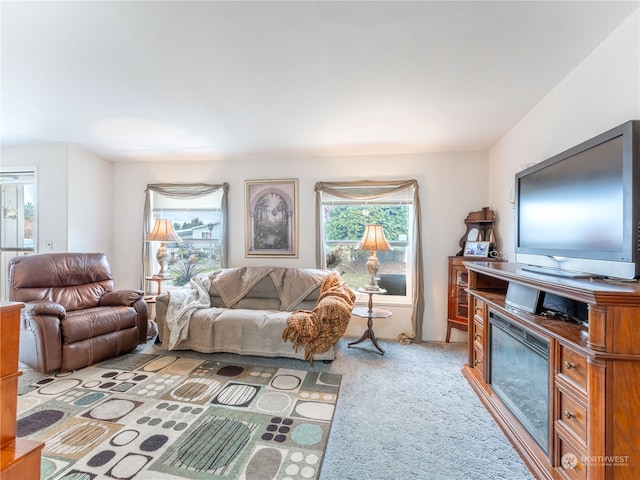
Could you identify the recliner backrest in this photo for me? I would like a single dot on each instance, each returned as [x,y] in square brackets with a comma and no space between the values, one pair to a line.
[74,280]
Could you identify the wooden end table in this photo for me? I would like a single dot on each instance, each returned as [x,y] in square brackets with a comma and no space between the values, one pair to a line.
[159,281]
[370,313]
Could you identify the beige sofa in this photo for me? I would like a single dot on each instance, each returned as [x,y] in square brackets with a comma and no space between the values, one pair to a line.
[245,311]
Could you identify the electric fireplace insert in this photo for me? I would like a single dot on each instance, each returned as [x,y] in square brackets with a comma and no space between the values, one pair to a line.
[519,374]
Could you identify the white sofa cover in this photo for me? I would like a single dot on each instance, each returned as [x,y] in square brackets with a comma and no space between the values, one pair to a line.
[239,310]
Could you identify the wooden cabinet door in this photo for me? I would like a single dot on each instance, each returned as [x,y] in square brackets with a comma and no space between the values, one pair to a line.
[458,304]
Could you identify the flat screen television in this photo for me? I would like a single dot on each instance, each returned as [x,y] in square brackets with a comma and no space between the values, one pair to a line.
[578,212]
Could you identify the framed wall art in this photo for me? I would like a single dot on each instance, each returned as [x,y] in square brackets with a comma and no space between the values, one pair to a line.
[476,249]
[271,218]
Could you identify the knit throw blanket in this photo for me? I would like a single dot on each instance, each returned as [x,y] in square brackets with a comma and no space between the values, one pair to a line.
[319,329]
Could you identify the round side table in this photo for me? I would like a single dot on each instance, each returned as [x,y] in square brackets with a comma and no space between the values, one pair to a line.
[158,280]
[370,313]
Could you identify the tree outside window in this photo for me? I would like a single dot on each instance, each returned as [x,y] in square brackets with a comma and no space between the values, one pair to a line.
[344,226]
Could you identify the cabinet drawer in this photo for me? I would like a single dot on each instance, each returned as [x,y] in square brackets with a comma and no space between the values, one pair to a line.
[573,367]
[570,461]
[478,309]
[573,415]
[478,335]
[478,358]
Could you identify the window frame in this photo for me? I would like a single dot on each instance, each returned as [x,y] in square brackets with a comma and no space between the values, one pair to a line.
[184,192]
[388,298]
[23,176]
[370,190]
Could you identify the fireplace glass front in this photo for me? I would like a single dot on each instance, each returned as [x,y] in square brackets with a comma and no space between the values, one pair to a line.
[519,374]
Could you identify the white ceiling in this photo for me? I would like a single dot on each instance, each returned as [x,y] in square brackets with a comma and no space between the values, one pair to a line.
[196,80]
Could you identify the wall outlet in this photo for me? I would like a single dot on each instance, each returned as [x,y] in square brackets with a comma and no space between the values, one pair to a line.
[48,246]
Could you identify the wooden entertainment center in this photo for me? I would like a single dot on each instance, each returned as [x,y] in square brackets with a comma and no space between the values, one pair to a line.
[593,428]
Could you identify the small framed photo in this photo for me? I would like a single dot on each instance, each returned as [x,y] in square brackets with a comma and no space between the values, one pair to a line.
[476,249]
[271,218]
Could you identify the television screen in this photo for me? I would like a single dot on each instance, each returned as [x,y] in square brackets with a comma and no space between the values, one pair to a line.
[578,212]
[576,204]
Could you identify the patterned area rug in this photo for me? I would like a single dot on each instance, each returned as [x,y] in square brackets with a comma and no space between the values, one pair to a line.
[157,417]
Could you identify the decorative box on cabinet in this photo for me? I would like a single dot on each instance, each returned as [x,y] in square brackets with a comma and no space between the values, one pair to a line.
[594,371]
[19,458]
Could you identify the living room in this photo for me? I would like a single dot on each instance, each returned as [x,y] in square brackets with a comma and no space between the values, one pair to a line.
[90,202]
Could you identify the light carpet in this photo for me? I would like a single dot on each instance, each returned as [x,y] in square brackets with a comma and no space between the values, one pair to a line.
[408,414]
[151,416]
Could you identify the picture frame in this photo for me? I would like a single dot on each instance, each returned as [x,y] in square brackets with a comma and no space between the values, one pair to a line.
[271,218]
[476,249]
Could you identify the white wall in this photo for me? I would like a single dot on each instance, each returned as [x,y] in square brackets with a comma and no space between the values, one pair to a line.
[451,185]
[90,226]
[86,203]
[50,162]
[599,94]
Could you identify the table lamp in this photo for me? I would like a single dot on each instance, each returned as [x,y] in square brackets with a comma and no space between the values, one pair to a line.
[162,232]
[374,241]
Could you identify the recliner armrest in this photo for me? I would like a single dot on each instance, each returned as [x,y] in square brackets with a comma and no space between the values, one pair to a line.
[120,297]
[40,335]
[45,307]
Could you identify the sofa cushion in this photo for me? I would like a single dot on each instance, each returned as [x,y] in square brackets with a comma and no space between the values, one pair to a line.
[313,295]
[263,289]
[264,296]
[92,322]
[216,300]
[241,331]
[259,303]
[306,305]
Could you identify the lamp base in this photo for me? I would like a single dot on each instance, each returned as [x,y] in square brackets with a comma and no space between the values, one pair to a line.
[372,267]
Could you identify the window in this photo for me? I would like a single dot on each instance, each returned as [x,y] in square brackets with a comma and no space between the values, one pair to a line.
[343,225]
[343,210]
[198,214]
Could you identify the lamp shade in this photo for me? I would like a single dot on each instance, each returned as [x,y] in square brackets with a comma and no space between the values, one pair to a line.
[373,239]
[163,232]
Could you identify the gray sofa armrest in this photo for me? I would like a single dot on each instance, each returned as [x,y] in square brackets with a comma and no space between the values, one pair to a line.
[162,304]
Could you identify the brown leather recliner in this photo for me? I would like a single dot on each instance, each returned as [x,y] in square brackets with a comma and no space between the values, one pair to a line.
[73,316]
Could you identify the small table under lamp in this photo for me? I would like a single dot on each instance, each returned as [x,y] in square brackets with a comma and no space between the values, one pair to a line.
[370,313]
[162,232]
[374,241]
